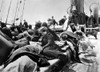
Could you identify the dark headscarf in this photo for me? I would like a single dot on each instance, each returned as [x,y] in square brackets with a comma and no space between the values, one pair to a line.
[52,32]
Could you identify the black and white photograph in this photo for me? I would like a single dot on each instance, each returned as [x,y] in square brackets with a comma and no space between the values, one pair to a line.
[49,35]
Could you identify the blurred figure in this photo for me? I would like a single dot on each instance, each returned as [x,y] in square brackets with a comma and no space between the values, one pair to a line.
[25,24]
[52,50]
[73,27]
[62,21]
[52,22]
[30,26]
[36,35]
[56,38]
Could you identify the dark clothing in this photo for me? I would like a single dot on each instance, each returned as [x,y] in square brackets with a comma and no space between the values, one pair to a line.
[62,21]
[58,66]
[48,41]
[54,22]
[50,49]
[31,52]
[56,38]
[52,54]
[6,37]
[73,29]
[19,28]
[36,35]
[3,24]
[6,31]
[6,45]
[15,54]
[25,24]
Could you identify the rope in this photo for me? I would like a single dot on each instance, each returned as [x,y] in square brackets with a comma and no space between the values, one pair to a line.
[16,11]
[22,11]
[19,10]
[8,11]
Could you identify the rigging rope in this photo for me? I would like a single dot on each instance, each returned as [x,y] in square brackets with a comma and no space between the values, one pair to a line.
[22,11]
[8,10]
[19,10]
[16,11]
[1,10]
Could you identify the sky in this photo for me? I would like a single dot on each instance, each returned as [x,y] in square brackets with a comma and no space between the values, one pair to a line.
[36,10]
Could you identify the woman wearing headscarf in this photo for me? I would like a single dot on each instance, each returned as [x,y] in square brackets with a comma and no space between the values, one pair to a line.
[70,39]
[51,50]
[56,38]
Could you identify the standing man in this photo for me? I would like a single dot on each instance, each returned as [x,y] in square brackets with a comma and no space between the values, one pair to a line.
[25,24]
[52,22]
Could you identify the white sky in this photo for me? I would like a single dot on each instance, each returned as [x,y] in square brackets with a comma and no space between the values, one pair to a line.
[41,9]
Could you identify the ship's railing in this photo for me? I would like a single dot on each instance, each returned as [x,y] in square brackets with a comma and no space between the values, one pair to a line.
[89,29]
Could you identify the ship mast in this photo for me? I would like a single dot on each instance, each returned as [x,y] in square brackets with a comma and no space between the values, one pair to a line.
[22,12]
[78,5]
[19,11]
[16,11]
[8,11]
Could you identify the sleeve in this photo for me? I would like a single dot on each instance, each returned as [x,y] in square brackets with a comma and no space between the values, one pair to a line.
[50,40]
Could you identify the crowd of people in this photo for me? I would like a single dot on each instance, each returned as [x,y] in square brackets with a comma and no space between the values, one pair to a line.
[23,49]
